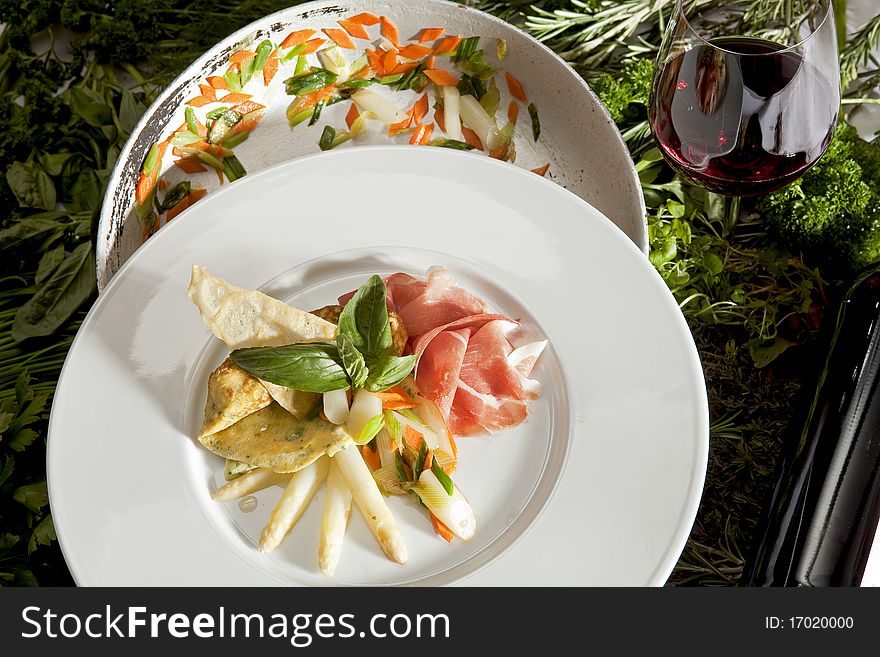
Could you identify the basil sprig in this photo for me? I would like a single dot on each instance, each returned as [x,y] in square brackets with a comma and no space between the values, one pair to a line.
[309,366]
[361,357]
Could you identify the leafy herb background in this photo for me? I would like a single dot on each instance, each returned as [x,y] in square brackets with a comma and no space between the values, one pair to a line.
[754,294]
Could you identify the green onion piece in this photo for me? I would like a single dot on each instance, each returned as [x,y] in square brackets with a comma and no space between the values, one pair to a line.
[355,84]
[419,463]
[452,143]
[316,113]
[536,123]
[301,65]
[233,168]
[295,119]
[412,417]
[418,83]
[232,141]
[390,79]
[466,48]
[210,160]
[392,424]
[398,465]
[191,121]
[246,70]
[409,77]
[263,52]
[233,80]
[370,429]
[341,137]
[216,113]
[327,137]
[175,195]
[469,85]
[491,99]
[501,50]
[293,52]
[317,79]
[151,159]
[443,478]
[184,138]
[221,126]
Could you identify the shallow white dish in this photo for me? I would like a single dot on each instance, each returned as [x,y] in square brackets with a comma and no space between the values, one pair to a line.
[578,138]
[599,486]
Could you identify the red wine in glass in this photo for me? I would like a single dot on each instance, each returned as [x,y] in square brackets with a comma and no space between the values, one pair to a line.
[742,116]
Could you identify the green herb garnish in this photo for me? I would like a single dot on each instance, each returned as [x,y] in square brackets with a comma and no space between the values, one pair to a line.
[318,78]
[309,366]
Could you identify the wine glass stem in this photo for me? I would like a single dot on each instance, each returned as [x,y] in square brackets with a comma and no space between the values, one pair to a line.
[731,212]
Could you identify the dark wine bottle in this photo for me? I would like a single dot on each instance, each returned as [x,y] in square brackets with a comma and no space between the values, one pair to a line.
[822,520]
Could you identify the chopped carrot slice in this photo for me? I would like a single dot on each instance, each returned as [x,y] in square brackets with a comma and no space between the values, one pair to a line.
[351,116]
[234,66]
[270,68]
[187,201]
[371,457]
[516,88]
[542,171]
[190,165]
[429,63]
[248,122]
[362,73]
[471,137]
[395,398]
[374,60]
[197,193]
[235,98]
[447,44]
[208,91]
[389,30]
[247,107]
[176,152]
[312,46]
[396,128]
[415,51]
[500,152]
[147,183]
[389,61]
[217,82]
[357,30]
[413,438]
[441,78]
[340,37]
[296,38]
[429,459]
[442,530]
[420,108]
[430,34]
[364,18]
[440,118]
[422,134]
[240,56]
[199,101]
[512,112]
[403,67]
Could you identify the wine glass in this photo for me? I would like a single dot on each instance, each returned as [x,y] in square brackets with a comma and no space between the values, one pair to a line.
[746,114]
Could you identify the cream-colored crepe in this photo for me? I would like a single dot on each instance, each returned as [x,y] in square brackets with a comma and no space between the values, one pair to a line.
[232,395]
[247,318]
[272,438]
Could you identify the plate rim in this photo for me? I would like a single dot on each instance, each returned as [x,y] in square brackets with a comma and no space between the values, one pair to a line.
[116,180]
[688,511]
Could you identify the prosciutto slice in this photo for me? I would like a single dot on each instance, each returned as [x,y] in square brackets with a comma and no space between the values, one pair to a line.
[467,362]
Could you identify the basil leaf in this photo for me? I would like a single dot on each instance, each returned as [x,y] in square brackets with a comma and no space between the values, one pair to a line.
[364,320]
[86,192]
[88,105]
[388,372]
[49,263]
[53,164]
[58,297]
[310,366]
[352,360]
[43,227]
[31,185]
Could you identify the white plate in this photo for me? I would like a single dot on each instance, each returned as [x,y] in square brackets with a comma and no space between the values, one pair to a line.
[599,486]
[578,139]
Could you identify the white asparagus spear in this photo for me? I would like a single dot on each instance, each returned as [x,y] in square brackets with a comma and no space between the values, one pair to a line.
[295,498]
[249,482]
[337,506]
[370,502]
